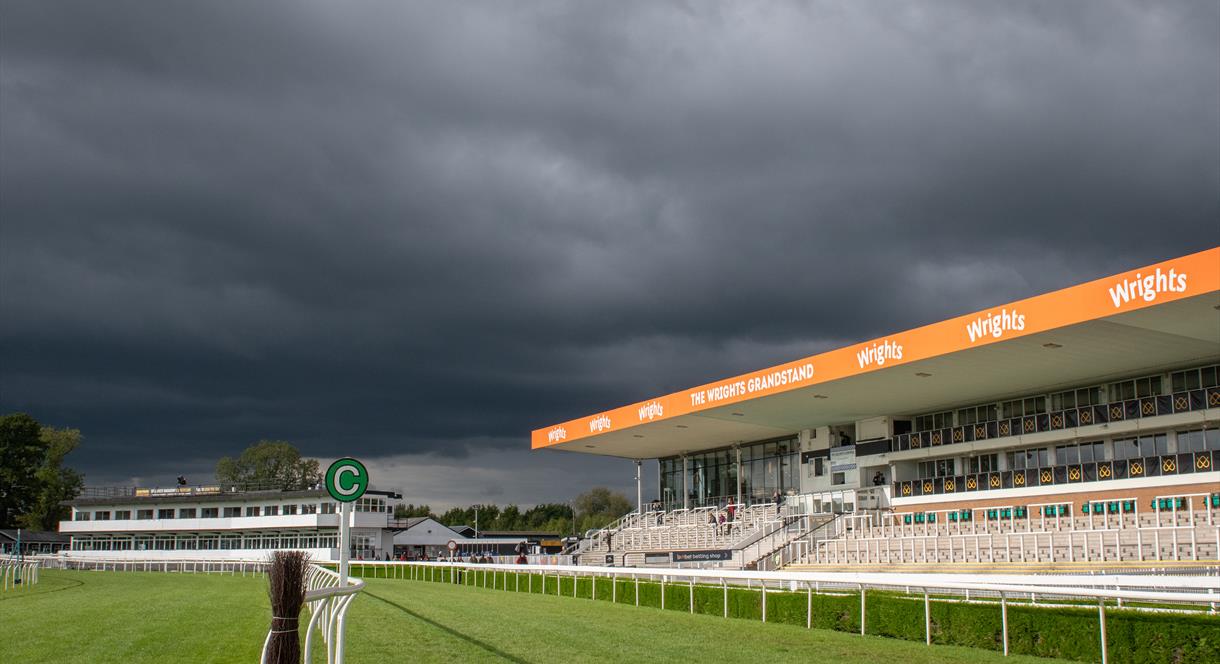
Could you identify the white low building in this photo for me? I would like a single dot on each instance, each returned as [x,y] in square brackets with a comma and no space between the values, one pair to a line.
[210,522]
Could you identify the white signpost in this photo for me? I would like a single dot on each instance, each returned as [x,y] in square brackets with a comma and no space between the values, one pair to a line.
[346,480]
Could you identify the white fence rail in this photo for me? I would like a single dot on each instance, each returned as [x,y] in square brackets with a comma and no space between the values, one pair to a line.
[328,603]
[14,574]
[1200,590]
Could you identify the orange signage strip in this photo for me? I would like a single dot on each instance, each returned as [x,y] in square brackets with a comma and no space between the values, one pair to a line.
[1176,279]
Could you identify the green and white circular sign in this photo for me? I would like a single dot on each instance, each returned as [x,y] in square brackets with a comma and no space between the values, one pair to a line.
[346,479]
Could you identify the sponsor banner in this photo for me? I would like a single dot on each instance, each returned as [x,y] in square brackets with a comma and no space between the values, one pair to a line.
[843,459]
[609,560]
[656,558]
[1171,280]
[710,555]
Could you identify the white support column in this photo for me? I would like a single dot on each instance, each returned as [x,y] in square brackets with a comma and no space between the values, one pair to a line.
[685,481]
[737,452]
[639,486]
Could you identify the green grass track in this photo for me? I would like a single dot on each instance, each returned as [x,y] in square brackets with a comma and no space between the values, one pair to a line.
[157,617]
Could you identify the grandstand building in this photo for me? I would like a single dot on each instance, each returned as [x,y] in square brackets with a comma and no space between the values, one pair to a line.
[1096,407]
[215,522]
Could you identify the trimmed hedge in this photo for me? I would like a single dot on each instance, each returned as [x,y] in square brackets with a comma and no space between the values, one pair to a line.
[1064,632]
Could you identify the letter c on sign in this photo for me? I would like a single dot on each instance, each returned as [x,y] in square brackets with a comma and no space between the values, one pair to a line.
[346,480]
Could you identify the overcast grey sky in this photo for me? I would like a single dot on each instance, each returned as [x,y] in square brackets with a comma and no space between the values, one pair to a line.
[414,231]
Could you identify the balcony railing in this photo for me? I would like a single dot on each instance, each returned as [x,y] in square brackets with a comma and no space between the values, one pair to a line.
[1131,409]
[1098,471]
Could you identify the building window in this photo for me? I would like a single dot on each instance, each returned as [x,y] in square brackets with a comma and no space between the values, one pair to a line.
[166,513]
[1082,453]
[1036,458]
[144,515]
[80,516]
[1144,446]
[209,512]
[1194,379]
[1133,389]
[977,414]
[984,463]
[289,510]
[937,468]
[122,515]
[328,508]
[272,510]
[253,511]
[101,516]
[1088,396]
[934,421]
[1199,440]
[187,513]
[232,512]
[309,508]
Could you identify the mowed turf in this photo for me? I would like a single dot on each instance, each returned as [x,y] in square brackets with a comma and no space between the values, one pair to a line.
[157,617]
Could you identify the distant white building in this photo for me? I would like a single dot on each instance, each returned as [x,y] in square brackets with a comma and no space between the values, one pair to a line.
[210,522]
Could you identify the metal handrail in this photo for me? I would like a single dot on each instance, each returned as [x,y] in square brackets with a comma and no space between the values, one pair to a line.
[328,603]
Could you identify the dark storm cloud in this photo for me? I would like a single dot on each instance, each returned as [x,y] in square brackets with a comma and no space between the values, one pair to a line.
[399,229]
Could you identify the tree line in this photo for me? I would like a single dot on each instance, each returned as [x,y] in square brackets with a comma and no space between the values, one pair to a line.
[593,509]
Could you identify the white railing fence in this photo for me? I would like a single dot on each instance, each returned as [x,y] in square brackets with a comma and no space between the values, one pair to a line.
[1202,590]
[328,603]
[15,575]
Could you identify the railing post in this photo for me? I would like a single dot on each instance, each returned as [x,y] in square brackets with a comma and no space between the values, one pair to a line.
[862,609]
[1004,620]
[808,606]
[725,585]
[764,600]
[927,618]
[1101,614]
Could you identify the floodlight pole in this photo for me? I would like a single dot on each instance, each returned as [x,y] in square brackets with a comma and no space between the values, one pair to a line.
[345,541]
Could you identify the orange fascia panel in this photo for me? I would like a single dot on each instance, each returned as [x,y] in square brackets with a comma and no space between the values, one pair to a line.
[1175,279]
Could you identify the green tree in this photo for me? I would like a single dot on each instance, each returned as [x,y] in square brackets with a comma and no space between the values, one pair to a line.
[22,454]
[271,464]
[598,507]
[56,483]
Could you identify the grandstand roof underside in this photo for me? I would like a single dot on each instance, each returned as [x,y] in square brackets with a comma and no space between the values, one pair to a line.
[1144,337]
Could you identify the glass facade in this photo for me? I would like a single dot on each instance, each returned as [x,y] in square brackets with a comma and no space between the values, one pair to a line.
[710,478]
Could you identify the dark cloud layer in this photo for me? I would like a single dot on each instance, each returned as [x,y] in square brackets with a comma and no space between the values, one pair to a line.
[420,229]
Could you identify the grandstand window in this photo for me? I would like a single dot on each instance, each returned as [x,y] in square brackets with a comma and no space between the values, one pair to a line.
[167,513]
[144,515]
[271,510]
[122,515]
[1199,440]
[309,508]
[101,516]
[1022,459]
[934,421]
[983,463]
[937,468]
[1193,379]
[253,510]
[80,516]
[1088,396]
[290,509]
[209,512]
[1131,389]
[187,513]
[1082,453]
[976,414]
[328,508]
[1144,446]
[819,467]
[231,512]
